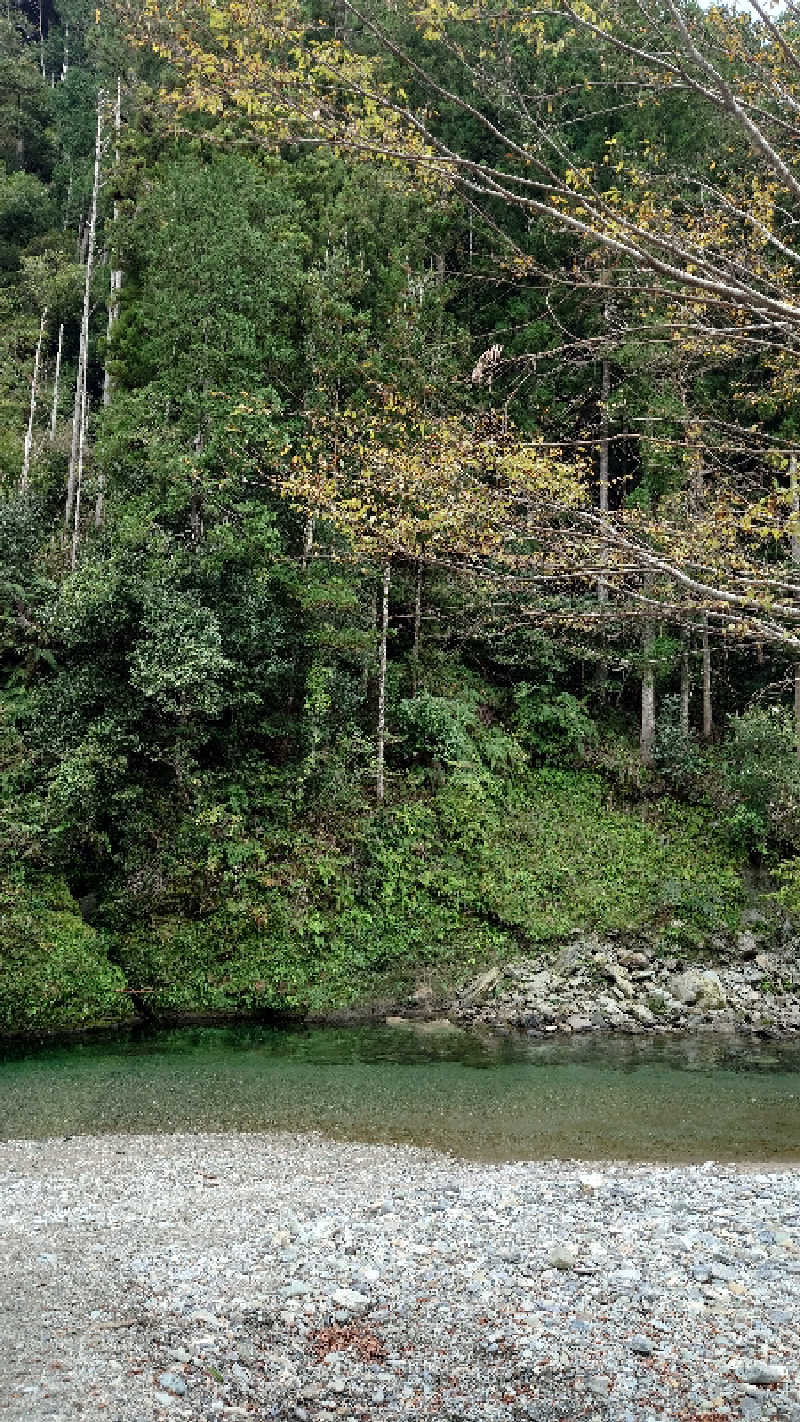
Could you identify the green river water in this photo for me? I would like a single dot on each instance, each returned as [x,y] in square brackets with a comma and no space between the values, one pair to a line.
[482,1098]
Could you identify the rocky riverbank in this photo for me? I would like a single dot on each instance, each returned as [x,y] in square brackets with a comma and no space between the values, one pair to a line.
[205,1277]
[603,985]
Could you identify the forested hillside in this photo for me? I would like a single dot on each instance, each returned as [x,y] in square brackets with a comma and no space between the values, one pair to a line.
[399,517]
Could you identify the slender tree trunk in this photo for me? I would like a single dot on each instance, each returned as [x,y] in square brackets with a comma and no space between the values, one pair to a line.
[308,540]
[28,446]
[100,501]
[648,730]
[417,628]
[54,410]
[79,422]
[76,517]
[794,485]
[603,448]
[605,413]
[696,497]
[605,395]
[685,684]
[708,716]
[65,60]
[115,286]
[69,507]
[381,728]
[647,733]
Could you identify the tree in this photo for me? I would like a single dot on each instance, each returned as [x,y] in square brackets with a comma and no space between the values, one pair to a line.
[716,246]
[396,482]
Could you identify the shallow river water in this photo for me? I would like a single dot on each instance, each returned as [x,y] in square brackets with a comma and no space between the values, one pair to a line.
[487,1098]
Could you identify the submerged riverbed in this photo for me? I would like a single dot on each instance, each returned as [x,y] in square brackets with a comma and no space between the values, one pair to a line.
[481,1098]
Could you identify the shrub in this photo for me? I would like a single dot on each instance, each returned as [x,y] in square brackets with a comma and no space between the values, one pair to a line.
[553,726]
[752,780]
[54,973]
[684,764]
[436,729]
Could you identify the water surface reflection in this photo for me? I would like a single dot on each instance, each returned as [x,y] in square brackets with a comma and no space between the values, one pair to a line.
[481,1097]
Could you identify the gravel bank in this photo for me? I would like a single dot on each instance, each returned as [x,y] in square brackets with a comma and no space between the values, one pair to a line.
[295,1277]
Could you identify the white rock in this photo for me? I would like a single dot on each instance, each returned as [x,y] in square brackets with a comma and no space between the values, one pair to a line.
[350,1299]
[590,1184]
[562,1257]
[762,1374]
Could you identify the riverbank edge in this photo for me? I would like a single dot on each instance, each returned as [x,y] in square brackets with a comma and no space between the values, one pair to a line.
[583,986]
[438,1018]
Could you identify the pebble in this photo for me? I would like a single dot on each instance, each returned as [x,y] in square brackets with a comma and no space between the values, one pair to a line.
[641,1345]
[763,1374]
[350,1300]
[170,1382]
[414,1285]
[562,1257]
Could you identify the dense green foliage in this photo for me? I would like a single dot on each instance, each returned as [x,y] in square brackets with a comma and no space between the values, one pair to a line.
[189,673]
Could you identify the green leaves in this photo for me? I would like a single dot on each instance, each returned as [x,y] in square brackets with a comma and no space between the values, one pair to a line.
[54,972]
[177,661]
[554,726]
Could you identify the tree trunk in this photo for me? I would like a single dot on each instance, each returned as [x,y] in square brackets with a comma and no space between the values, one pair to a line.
[308,540]
[647,733]
[603,447]
[647,737]
[794,486]
[605,396]
[115,286]
[54,411]
[417,628]
[79,421]
[76,517]
[708,718]
[381,728]
[28,447]
[69,507]
[685,684]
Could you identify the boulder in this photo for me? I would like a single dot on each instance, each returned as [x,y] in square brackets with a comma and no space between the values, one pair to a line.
[578,1023]
[619,978]
[481,984]
[638,960]
[570,959]
[746,944]
[697,988]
